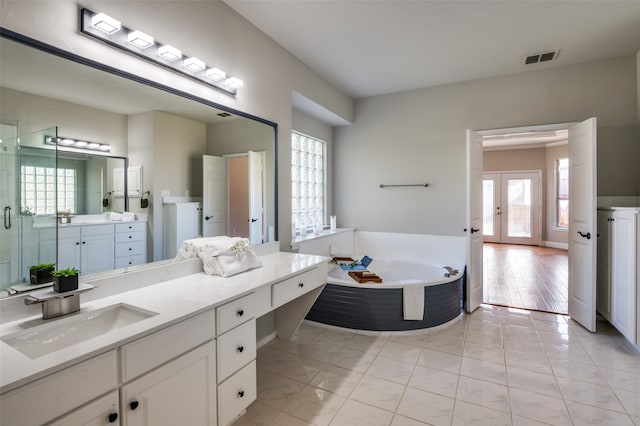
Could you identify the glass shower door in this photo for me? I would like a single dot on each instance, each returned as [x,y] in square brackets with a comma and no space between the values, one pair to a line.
[28,232]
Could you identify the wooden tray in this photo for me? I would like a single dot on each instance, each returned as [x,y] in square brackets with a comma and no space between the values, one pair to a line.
[364,277]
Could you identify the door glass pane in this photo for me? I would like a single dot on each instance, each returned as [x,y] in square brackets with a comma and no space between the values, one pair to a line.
[488,208]
[519,194]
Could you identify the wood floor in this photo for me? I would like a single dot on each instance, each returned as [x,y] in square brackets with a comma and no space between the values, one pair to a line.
[529,277]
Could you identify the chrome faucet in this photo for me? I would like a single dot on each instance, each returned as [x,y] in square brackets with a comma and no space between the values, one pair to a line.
[57,304]
[450,271]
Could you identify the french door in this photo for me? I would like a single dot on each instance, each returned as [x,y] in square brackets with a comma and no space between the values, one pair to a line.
[511,204]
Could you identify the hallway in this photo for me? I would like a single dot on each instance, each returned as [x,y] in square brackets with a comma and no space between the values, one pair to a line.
[528,277]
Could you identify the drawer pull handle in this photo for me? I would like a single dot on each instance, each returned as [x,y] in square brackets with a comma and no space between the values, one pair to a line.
[301,285]
[130,236]
[240,349]
[130,249]
[133,405]
[241,394]
[111,418]
[240,312]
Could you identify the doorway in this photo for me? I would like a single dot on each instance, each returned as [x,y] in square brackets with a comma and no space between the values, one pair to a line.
[512,204]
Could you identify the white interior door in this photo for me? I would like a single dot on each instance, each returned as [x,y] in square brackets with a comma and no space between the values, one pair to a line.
[474,221]
[256,232]
[582,223]
[214,196]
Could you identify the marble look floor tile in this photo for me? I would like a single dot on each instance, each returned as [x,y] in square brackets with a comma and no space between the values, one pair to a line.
[370,344]
[319,350]
[436,381]
[353,360]
[465,414]
[315,406]
[355,413]
[391,369]
[521,344]
[455,347]
[589,393]
[636,420]
[257,414]
[539,407]
[577,371]
[401,352]
[494,355]
[621,379]
[310,329]
[630,401]
[523,421]
[337,380]
[440,360]
[551,326]
[483,393]
[546,316]
[335,337]
[587,415]
[378,393]
[573,352]
[528,361]
[484,370]
[426,407]
[276,391]
[533,381]
[289,365]
[399,420]
[411,339]
[485,337]
[284,419]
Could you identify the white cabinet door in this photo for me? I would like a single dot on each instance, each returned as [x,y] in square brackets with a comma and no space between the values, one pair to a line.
[603,280]
[623,273]
[96,253]
[101,412]
[68,253]
[182,392]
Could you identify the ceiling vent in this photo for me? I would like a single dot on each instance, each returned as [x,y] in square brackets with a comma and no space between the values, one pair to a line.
[536,58]
[224,114]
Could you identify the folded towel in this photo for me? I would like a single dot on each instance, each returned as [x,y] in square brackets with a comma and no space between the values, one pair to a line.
[113,216]
[189,249]
[413,302]
[237,258]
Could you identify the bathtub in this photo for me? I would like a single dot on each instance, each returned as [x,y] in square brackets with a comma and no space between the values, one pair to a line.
[379,306]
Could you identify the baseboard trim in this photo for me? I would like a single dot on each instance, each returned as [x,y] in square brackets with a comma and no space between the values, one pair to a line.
[551,244]
[266,339]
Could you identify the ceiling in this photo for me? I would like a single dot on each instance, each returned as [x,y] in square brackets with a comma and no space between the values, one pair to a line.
[369,48]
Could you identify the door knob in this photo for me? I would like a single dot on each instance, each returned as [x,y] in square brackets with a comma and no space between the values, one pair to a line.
[208,217]
[253,220]
[474,230]
[587,235]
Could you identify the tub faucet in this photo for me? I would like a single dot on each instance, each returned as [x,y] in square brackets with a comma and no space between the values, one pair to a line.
[450,271]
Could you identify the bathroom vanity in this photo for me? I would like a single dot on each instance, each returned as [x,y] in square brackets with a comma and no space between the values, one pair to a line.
[182,351]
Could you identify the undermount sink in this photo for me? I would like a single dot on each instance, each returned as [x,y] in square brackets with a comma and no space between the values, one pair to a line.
[65,332]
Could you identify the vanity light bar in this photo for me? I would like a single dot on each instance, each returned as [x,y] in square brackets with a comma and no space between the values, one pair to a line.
[111,31]
[73,143]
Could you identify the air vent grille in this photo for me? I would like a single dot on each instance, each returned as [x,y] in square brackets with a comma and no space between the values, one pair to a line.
[224,114]
[536,58]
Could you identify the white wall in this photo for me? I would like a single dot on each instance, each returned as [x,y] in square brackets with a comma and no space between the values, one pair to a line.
[207,29]
[419,136]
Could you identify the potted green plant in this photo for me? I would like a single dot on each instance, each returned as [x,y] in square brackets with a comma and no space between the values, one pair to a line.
[65,279]
[41,273]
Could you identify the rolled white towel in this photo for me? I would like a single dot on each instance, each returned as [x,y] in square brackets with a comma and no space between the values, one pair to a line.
[189,249]
[237,258]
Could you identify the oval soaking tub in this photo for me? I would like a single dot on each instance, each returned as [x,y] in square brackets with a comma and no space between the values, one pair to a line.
[379,306]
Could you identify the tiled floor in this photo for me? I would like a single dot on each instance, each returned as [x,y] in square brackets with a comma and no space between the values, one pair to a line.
[495,367]
[528,277]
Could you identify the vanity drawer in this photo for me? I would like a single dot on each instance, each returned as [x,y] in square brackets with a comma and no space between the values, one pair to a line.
[148,352]
[126,261]
[236,349]
[236,394]
[47,398]
[296,286]
[123,237]
[131,227]
[97,230]
[235,313]
[69,232]
[131,248]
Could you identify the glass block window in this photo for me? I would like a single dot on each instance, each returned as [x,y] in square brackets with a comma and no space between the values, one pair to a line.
[39,194]
[562,193]
[307,181]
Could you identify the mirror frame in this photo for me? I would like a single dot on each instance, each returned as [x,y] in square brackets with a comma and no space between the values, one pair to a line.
[47,48]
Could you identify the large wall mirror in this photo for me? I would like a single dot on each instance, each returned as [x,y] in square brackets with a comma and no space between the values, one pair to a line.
[161,134]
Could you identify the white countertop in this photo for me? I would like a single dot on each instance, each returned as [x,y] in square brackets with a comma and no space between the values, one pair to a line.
[173,300]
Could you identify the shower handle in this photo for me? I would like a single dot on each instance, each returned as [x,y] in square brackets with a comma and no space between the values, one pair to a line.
[7,217]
